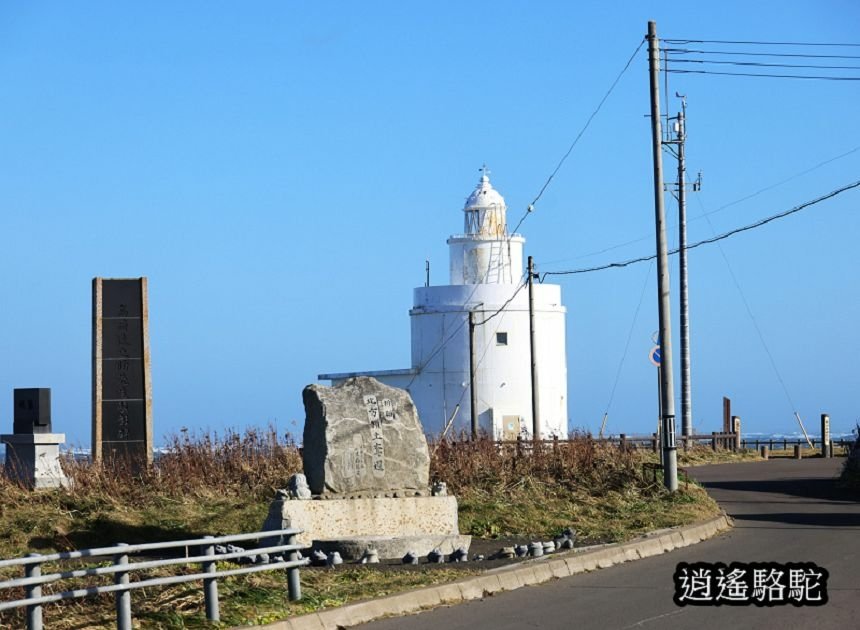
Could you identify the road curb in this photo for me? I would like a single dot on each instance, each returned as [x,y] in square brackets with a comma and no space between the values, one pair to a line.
[508,578]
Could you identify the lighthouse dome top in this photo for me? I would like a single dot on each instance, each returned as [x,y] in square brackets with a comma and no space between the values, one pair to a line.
[485,210]
[484,195]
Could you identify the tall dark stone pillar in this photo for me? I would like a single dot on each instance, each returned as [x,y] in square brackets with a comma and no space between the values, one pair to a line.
[122,384]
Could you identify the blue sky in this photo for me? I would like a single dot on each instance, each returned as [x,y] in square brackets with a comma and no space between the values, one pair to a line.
[281,170]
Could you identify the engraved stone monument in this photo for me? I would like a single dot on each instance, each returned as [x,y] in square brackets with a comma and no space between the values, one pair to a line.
[33,451]
[367,466]
[122,386]
[363,437]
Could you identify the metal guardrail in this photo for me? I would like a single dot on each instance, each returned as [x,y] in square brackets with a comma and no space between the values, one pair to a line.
[785,442]
[727,441]
[33,579]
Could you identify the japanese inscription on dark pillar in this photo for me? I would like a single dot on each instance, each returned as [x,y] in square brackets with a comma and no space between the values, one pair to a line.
[121,418]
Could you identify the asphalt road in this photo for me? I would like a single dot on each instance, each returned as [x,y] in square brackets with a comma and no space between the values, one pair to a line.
[784,511]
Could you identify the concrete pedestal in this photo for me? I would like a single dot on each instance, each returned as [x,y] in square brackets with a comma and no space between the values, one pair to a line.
[34,459]
[392,526]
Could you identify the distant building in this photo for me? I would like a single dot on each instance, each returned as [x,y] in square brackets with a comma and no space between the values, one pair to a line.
[487,278]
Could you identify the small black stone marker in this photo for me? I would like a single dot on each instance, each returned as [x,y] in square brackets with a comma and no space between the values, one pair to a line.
[521,550]
[436,556]
[32,412]
[410,558]
[33,449]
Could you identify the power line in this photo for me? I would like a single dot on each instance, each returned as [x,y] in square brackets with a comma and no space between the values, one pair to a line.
[720,209]
[443,342]
[629,337]
[759,64]
[461,325]
[503,306]
[684,42]
[689,51]
[720,237]
[750,313]
[465,388]
[781,182]
[561,162]
[763,75]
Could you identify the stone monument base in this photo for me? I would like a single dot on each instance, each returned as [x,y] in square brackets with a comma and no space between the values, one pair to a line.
[351,525]
[34,459]
[394,547]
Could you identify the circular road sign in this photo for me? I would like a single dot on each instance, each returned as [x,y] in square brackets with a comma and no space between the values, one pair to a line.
[654,356]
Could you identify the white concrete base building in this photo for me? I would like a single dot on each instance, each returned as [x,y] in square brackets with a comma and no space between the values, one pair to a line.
[488,280]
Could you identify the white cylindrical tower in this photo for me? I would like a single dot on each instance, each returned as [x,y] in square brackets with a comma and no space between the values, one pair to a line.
[487,279]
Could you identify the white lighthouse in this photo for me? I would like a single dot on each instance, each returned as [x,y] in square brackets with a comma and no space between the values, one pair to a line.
[487,280]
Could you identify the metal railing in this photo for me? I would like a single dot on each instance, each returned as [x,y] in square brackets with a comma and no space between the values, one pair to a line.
[784,443]
[715,440]
[728,441]
[33,579]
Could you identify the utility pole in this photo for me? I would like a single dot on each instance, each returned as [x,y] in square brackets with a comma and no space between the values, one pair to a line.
[686,394]
[667,387]
[536,427]
[679,140]
[473,391]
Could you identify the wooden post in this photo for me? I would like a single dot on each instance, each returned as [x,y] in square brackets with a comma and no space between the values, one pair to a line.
[714,441]
[764,452]
[798,454]
[623,442]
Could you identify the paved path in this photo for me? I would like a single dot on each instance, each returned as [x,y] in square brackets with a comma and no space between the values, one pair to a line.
[784,511]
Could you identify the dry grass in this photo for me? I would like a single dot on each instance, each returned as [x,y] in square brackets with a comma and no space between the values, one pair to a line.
[578,462]
[537,491]
[200,484]
[209,484]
